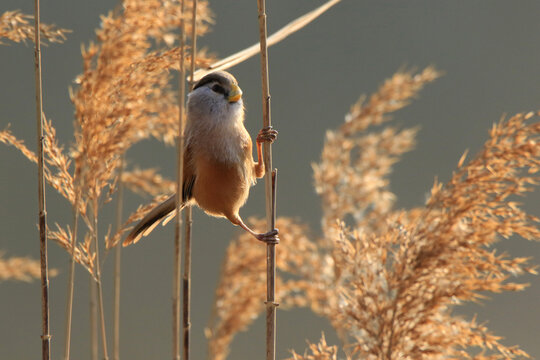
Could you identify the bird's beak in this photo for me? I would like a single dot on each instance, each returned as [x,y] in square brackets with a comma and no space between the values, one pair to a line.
[235,94]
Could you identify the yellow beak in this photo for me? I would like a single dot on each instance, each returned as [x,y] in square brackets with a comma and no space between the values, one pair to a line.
[235,94]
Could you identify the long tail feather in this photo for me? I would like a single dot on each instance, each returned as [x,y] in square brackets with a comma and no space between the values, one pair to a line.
[151,220]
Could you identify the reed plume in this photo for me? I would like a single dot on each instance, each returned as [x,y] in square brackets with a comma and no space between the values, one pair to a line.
[16,26]
[18,268]
[147,182]
[240,294]
[388,279]
[318,351]
[122,97]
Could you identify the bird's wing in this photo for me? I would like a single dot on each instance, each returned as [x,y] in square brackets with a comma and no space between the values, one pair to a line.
[188,175]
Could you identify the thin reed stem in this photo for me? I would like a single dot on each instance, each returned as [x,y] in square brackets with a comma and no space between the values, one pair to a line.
[100,289]
[186,301]
[94,348]
[71,282]
[193,44]
[45,334]
[270,192]
[180,175]
[117,266]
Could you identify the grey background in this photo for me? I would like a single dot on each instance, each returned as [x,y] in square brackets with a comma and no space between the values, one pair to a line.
[489,51]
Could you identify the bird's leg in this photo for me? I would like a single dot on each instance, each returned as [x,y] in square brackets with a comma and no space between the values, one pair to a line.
[269,237]
[268,135]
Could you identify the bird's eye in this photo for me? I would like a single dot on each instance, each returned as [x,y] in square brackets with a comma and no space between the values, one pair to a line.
[218,88]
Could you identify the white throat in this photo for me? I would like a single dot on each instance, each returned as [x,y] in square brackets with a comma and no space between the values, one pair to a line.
[217,130]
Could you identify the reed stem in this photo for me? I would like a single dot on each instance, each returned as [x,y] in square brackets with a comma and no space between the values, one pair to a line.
[186,300]
[100,290]
[94,348]
[180,175]
[270,192]
[45,334]
[71,282]
[276,37]
[117,267]
[193,44]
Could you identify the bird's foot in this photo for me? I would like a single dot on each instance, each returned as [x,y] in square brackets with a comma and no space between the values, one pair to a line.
[270,237]
[267,134]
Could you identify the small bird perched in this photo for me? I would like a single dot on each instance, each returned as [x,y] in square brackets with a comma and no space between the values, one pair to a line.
[218,162]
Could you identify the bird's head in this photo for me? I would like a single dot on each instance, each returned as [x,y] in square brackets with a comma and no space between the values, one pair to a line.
[217,95]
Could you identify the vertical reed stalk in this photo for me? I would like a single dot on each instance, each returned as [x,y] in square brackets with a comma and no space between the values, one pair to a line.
[186,301]
[193,43]
[71,281]
[117,267]
[45,335]
[100,288]
[94,348]
[180,175]
[270,184]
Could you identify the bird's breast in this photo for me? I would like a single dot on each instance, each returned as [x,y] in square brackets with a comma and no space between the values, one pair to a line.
[227,143]
[220,188]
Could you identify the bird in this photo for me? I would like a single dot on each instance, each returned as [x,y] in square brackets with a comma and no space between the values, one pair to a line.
[219,168]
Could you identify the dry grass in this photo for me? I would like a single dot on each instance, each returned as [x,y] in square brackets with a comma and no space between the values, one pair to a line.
[319,351]
[241,292]
[16,26]
[351,177]
[147,182]
[388,279]
[123,96]
[21,269]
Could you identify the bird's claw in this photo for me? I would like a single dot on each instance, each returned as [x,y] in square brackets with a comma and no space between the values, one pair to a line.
[270,237]
[267,134]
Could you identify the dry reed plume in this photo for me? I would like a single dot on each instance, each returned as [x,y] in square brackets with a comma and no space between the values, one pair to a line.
[319,351]
[388,279]
[147,182]
[20,269]
[16,26]
[123,96]
[241,292]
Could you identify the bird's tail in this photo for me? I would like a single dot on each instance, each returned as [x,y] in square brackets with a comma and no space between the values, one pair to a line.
[164,211]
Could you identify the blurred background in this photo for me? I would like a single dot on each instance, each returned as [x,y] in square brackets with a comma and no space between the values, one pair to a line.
[489,52]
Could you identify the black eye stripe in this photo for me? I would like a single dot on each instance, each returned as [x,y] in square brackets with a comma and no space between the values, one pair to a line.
[218,88]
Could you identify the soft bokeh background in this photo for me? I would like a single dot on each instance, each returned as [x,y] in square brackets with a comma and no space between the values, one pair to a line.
[489,51]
